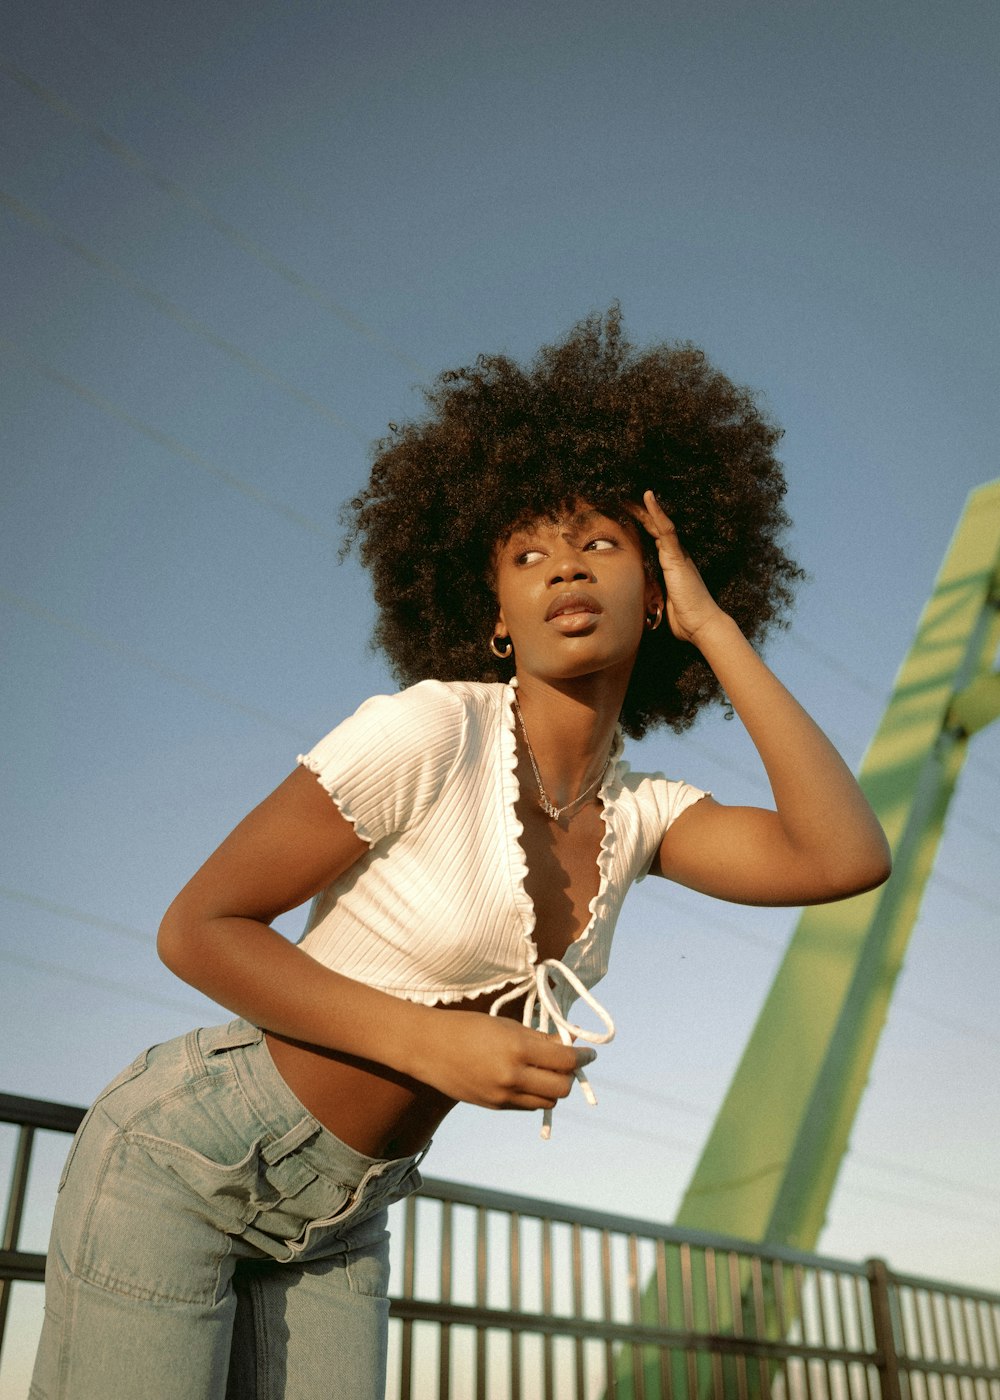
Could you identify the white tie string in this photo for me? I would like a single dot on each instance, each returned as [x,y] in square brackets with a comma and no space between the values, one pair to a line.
[537,993]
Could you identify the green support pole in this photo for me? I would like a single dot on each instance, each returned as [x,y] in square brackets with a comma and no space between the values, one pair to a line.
[769,1166]
[768,1169]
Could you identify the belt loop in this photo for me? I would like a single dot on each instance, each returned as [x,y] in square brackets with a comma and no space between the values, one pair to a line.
[304,1129]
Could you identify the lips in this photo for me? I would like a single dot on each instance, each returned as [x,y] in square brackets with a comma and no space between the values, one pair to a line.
[572,603]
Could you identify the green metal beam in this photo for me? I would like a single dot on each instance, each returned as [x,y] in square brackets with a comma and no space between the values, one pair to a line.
[769,1167]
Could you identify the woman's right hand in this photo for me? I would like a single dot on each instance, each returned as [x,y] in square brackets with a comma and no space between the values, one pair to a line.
[494,1062]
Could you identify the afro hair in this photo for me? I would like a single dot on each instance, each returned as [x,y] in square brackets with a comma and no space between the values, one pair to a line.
[591,420]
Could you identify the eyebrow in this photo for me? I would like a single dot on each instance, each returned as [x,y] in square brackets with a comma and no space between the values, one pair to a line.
[578,521]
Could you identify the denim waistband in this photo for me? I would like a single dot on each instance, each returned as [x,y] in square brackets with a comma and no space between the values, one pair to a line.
[290,1126]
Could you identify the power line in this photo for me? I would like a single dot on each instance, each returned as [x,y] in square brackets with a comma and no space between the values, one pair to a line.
[177,192]
[601,1123]
[966,892]
[105,45]
[108,984]
[167,441]
[724,761]
[79,916]
[139,658]
[926,1207]
[972,1188]
[807,645]
[867,1159]
[40,221]
[991,833]
[950,1023]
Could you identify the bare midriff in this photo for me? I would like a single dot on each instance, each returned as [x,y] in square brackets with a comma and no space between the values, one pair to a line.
[372,1108]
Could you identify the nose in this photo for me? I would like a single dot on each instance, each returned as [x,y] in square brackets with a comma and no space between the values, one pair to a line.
[569,566]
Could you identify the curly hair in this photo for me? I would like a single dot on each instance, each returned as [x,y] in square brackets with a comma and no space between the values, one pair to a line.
[590,420]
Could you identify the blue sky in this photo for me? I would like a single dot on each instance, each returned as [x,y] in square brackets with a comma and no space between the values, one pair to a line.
[236,241]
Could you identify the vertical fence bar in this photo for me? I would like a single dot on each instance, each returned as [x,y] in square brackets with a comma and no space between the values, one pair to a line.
[760,1322]
[712,1300]
[409,1286]
[739,1328]
[15,1210]
[798,1288]
[444,1342]
[687,1303]
[824,1327]
[607,1307]
[635,1312]
[547,1295]
[481,1362]
[578,1352]
[515,1303]
[885,1333]
[963,1332]
[663,1318]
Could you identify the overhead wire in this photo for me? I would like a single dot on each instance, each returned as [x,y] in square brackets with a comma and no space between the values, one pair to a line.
[92,979]
[109,48]
[149,663]
[40,221]
[166,441]
[131,158]
[79,916]
[665,1142]
[834,663]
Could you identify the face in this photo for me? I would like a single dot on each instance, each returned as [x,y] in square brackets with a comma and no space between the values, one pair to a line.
[573,594]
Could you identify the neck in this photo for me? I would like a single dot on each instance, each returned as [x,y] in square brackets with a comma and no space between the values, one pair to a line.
[571,725]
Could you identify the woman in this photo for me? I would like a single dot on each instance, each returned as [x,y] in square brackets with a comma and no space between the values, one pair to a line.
[467,843]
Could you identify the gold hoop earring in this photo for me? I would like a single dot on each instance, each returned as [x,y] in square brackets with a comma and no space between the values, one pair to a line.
[501,655]
[654,619]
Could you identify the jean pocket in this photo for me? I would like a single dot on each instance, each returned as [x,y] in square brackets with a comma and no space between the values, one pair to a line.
[126,1076]
[272,1203]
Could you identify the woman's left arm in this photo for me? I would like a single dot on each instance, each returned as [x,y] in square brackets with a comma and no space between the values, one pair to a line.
[823,841]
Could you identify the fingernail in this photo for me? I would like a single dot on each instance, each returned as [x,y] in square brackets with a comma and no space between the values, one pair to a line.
[587,1057]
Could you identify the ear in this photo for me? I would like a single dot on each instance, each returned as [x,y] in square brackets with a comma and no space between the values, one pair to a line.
[500,628]
[654,597]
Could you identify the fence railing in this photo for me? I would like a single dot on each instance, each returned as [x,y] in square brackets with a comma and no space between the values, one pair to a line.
[501,1297]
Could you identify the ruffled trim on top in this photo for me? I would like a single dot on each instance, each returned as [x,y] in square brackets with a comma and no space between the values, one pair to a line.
[607,793]
[516,860]
[314,765]
[447,996]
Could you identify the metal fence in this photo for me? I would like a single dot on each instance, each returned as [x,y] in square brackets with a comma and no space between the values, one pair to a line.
[502,1297]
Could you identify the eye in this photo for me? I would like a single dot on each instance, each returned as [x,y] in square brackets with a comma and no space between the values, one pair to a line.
[602,542]
[528,556]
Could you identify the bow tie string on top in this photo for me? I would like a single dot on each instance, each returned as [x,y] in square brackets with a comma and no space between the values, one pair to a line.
[540,1006]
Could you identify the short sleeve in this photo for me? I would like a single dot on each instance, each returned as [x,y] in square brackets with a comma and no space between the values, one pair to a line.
[679,797]
[661,801]
[388,763]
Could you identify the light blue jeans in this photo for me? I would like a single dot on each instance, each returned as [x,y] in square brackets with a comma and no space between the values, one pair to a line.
[212,1241]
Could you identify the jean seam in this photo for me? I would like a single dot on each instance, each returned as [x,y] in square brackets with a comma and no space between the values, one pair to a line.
[79,1274]
[262,1379]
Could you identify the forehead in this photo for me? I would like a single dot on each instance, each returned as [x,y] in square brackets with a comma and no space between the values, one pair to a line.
[573,520]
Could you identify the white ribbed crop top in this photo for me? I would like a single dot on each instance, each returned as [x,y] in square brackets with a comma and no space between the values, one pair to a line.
[436,911]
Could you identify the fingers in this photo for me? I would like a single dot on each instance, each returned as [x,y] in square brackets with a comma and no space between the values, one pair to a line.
[657,521]
[549,1075]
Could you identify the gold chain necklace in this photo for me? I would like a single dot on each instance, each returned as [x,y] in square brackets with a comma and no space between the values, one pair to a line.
[549,807]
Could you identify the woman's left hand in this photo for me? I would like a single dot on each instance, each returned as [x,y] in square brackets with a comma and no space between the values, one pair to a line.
[690,607]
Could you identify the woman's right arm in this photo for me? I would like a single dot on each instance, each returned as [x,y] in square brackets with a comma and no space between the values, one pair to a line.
[216,935]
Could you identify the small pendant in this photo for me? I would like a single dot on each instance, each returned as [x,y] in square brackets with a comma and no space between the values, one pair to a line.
[549,808]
